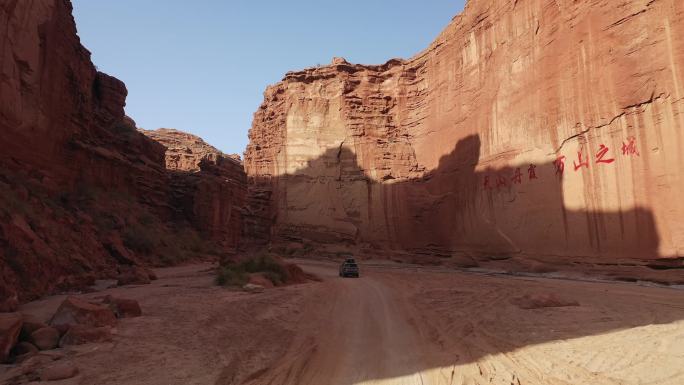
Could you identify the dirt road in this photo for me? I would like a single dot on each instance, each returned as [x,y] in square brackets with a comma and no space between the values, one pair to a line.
[394,325]
[361,330]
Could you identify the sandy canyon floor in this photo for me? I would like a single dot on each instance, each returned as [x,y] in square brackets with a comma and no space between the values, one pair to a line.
[394,325]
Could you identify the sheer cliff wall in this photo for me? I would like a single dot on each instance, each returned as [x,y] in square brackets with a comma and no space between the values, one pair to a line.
[532,127]
[83,195]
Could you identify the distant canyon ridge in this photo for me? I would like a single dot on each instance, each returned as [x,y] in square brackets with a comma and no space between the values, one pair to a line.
[538,132]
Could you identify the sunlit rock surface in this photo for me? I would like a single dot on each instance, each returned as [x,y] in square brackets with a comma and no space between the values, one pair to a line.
[538,128]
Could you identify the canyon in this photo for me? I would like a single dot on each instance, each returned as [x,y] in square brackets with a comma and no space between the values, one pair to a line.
[510,195]
[529,137]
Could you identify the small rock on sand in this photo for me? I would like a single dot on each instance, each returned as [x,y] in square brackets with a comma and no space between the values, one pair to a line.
[59,371]
[252,288]
[260,280]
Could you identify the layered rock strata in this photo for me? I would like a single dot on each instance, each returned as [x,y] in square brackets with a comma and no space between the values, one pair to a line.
[208,186]
[83,195]
[185,152]
[540,128]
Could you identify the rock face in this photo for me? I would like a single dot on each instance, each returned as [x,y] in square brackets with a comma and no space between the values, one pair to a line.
[209,186]
[82,192]
[185,152]
[539,128]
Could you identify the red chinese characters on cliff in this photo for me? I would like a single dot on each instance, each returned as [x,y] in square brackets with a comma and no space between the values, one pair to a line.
[602,156]
[517,176]
[580,163]
[500,180]
[629,148]
[559,164]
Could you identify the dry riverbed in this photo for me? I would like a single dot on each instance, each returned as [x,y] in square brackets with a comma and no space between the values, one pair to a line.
[394,325]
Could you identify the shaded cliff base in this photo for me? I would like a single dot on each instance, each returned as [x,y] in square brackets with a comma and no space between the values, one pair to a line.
[449,217]
[123,213]
[665,271]
[53,242]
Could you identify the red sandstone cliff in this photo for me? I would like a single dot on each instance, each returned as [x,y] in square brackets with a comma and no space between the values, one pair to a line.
[528,128]
[83,194]
[209,187]
[185,151]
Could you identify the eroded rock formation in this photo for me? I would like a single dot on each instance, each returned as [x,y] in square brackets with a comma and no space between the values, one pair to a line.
[184,151]
[209,187]
[528,128]
[83,195]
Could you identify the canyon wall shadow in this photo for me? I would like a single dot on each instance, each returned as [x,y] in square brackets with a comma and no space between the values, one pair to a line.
[453,209]
[458,210]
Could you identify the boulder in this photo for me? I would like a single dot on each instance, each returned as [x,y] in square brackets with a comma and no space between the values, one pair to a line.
[62,329]
[75,311]
[31,324]
[123,308]
[23,348]
[84,334]
[10,327]
[22,351]
[252,288]
[259,280]
[59,371]
[46,338]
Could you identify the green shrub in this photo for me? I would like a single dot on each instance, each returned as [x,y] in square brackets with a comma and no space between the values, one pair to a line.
[276,278]
[237,273]
[231,276]
[183,243]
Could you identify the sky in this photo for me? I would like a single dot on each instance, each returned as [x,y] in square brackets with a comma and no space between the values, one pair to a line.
[201,66]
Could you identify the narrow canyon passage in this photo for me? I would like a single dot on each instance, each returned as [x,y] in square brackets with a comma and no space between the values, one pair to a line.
[397,324]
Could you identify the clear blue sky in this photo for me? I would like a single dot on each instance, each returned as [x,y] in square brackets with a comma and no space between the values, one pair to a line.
[201,66]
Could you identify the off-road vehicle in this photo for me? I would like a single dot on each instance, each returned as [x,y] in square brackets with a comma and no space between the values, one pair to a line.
[349,268]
